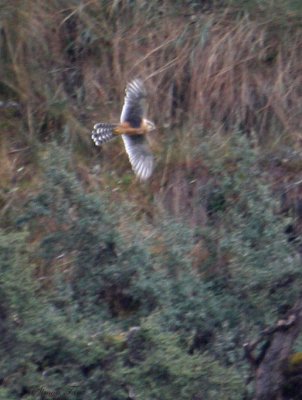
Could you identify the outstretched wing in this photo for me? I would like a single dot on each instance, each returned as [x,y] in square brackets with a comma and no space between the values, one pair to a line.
[136,146]
[140,156]
[133,109]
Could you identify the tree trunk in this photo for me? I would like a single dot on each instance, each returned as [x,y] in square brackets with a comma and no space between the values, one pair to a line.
[277,343]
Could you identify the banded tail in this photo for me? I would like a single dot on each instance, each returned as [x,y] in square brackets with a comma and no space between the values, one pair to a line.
[103,132]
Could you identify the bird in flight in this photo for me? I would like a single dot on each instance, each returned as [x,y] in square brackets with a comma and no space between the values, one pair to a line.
[133,128]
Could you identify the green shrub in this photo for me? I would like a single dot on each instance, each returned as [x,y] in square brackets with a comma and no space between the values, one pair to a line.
[95,284]
[106,284]
[103,274]
[166,371]
[251,276]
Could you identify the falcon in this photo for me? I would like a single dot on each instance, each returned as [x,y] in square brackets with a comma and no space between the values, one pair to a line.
[133,128]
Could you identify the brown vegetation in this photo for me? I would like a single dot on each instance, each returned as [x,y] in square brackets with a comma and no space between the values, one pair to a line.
[211,68]
[67,65]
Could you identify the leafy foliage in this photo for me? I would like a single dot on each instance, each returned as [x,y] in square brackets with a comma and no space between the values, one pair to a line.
[103,274]
[69,332]
[95,283]
[108,291]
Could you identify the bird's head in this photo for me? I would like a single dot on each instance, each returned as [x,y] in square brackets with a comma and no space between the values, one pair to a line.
[150,126]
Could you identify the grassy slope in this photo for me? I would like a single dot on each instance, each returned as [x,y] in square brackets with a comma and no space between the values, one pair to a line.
[67,68]
[211,74]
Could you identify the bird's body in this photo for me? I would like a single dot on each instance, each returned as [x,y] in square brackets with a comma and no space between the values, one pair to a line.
[133,128]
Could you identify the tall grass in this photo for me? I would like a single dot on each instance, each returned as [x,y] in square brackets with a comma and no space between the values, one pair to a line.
[68,62]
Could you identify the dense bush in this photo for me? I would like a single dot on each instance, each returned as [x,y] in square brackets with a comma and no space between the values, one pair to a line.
[114,290]
[82,251]
[72,313]
[69,328]
[250,275]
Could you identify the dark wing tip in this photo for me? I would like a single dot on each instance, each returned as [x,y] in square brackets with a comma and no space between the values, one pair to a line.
[134,103]
[136,88]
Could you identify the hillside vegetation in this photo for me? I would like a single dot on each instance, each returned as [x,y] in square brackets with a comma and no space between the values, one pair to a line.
[113,289]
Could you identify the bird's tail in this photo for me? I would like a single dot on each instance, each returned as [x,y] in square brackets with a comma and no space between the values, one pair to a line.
[103,133]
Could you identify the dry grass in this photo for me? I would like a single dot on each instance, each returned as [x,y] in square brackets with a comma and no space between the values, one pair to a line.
[64,60]
[67,63]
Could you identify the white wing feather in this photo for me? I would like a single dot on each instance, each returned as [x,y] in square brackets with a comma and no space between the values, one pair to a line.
[140,156]
[136,146]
